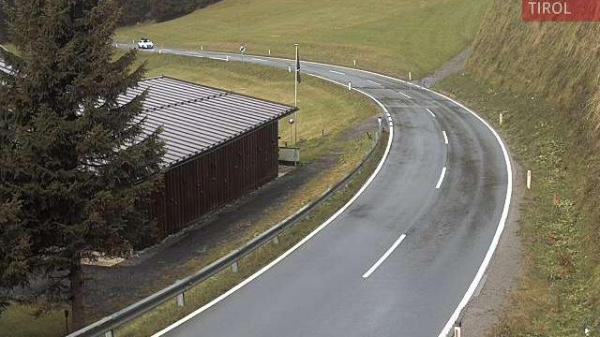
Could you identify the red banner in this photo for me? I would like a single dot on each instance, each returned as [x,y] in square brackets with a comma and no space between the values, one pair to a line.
[561,10]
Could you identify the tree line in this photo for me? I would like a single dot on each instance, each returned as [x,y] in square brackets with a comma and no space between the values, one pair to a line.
[136,11]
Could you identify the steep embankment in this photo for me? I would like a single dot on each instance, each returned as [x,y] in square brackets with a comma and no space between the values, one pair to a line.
[558,61]
[544,78]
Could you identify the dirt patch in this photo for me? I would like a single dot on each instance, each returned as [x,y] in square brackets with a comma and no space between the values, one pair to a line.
[454,66]
[486,307]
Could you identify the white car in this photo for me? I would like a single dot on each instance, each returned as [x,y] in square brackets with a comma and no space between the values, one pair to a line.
[145,44]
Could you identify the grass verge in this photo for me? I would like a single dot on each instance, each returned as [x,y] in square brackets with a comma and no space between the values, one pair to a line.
[392,36]
[557,294]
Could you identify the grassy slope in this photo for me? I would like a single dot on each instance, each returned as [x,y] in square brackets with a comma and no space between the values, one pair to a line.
[393,36]
[557,296]
[556,113]
[325,108]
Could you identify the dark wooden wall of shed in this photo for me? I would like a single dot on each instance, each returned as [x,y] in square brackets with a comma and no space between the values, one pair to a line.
[216,178]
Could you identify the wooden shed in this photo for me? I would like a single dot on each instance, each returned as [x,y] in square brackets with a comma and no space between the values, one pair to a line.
[220,145]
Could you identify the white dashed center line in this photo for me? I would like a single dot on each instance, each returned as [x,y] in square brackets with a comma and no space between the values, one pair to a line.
[384,257]
[439,184]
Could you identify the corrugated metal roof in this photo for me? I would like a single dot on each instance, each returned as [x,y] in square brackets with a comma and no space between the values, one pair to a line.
[196,118]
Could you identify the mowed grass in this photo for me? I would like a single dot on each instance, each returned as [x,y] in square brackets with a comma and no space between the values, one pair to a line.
[28,321]
[391,36]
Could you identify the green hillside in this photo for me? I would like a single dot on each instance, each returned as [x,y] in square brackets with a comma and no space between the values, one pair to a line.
[544,78]
[393,36]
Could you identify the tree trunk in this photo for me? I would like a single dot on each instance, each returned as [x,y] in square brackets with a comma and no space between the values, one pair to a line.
[77,298]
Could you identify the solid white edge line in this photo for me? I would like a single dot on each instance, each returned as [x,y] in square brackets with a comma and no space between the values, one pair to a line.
[432,114]
[445,137]
[303,241]
[441,180]
[260,60]
[501,225]
[499,230]
[503,218]
[384,256]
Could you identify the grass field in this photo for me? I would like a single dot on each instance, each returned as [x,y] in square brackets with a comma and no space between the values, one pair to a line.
[392,36]
[558,294]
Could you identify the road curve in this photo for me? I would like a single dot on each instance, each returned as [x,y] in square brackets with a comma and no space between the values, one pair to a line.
[405,257]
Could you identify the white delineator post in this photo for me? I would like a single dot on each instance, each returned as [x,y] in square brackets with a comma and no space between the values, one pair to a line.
[528,179]
[457,332]
[350,86]
[501,119]
[410,76]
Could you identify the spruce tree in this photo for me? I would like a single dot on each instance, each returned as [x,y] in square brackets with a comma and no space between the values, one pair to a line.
[76,169]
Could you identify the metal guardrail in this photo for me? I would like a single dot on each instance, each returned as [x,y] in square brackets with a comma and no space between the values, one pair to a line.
[105,327]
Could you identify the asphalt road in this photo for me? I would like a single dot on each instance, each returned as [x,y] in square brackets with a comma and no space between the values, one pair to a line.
[406,254]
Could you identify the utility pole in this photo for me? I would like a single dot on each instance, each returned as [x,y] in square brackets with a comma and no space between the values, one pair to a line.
[296,74]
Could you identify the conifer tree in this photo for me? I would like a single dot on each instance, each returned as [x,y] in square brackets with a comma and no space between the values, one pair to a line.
[76,168]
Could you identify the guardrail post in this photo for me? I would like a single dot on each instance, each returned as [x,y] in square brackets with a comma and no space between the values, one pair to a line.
[235,267]
[181,300]
[109,333]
